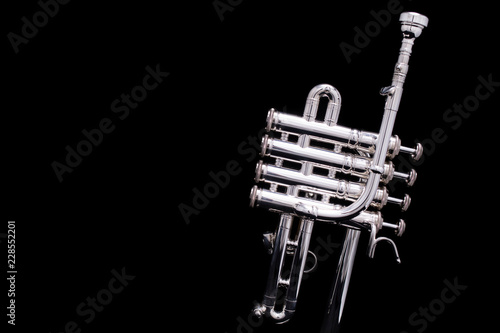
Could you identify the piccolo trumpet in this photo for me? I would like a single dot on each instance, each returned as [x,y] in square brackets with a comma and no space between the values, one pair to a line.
[318,171]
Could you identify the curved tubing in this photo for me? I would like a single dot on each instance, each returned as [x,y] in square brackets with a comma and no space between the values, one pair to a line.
[333,108]
[276,268]
[376,169]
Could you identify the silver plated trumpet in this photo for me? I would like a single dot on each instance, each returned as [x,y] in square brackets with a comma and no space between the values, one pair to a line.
[319,171]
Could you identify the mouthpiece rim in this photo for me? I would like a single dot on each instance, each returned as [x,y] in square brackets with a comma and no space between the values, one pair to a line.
[414,18]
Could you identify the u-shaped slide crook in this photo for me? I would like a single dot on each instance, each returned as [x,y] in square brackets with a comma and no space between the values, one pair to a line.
[373,244]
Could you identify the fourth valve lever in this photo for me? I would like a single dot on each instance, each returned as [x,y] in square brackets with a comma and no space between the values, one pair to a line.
[318,171]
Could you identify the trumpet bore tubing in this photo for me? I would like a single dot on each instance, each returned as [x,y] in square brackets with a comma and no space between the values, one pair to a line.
[347,163]
[317,210]
[338,188]
[296,271]
[277,262]
[348,137]
[340,286]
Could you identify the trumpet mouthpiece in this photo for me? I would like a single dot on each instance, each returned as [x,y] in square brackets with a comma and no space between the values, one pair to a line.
[413,23]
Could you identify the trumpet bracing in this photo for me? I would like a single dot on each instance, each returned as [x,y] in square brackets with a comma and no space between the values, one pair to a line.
[319,171]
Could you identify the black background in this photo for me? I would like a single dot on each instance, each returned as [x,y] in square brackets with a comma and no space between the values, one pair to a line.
[120,207]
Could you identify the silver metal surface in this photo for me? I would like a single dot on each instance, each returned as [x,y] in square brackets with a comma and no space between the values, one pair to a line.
[314,170]
[338,293]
